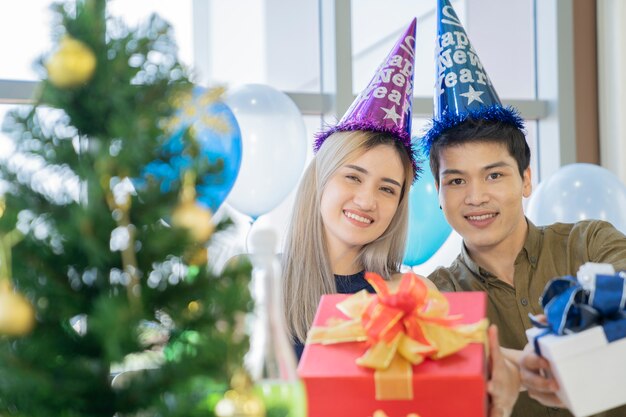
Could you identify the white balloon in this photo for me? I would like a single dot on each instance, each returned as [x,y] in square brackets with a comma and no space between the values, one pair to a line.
[274,148]
[579,192]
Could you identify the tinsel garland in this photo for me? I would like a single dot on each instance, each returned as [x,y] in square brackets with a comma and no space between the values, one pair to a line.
[496,113]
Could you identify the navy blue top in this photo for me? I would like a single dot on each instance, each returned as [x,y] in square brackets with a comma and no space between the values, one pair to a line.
[346,284]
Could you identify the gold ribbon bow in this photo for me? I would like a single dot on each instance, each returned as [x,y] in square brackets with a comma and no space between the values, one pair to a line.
[401,329]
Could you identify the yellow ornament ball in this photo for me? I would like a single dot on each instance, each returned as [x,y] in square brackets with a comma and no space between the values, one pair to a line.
[241,400]
[72,64]
[195,218]
[197,257]
[17,315]
[235,404]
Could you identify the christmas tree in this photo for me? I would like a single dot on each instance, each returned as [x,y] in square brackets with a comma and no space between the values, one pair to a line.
[111,263]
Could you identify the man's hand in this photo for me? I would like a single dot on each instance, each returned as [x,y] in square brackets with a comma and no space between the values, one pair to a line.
[536,377]
[504,381]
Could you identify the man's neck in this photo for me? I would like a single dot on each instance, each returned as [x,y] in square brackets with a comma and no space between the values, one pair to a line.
[500,259]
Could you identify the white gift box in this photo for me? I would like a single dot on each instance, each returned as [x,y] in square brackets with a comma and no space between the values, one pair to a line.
[590,371]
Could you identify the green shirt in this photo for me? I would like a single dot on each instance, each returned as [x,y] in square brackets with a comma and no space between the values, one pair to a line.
[549,252]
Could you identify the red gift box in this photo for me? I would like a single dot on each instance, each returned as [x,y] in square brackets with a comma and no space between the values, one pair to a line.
[451,386]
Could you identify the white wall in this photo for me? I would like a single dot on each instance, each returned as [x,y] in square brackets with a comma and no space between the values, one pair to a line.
[612,85]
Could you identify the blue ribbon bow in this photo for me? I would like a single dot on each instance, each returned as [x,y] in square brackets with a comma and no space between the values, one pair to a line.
[570,308]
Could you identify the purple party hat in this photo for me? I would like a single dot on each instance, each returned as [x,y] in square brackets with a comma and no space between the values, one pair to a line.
[462,88]
[385,105]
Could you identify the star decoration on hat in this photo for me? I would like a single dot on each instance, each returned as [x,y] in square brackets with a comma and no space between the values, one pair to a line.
[472,95]
[391,113]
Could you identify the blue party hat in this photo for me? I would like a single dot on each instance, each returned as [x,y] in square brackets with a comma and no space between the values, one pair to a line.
[462,88]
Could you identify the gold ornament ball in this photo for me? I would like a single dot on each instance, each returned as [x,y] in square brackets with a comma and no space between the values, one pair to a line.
[235,404]
[72,64]
[17,315]
[195,218]
[240,401]
[198,257]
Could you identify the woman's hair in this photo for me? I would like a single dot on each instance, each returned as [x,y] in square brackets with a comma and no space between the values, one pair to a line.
[306,264]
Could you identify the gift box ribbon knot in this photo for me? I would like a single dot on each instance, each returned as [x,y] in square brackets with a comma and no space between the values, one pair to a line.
[570,308]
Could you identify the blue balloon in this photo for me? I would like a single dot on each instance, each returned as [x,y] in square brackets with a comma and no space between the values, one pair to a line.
[219,141]
[428,228]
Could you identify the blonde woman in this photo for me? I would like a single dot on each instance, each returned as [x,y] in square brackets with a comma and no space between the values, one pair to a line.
[351,209]
[350,215]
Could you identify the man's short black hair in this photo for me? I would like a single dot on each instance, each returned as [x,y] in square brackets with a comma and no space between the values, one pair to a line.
[480,130]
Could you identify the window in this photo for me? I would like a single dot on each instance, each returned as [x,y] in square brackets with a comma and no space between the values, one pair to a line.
[25,28]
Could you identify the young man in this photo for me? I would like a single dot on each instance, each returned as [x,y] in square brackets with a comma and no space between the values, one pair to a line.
[481,164]
[481,169]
